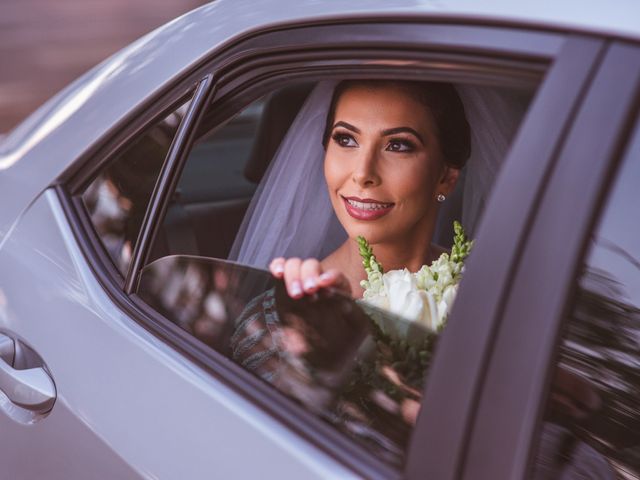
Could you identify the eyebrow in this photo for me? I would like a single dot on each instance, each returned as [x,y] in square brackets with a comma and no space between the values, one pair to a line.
[348,126]
[386,133]
[393,131]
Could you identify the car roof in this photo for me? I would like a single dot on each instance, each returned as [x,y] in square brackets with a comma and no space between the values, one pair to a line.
[52,138]
[617,17]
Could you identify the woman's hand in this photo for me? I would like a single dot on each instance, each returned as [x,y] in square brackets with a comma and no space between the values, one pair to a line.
[306,277]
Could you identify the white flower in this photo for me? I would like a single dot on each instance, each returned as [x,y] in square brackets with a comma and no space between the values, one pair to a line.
[446,302]
[379,299]
[442,270]
[399,294]
[425,279]
[416,297]
[402,292]
[425,297]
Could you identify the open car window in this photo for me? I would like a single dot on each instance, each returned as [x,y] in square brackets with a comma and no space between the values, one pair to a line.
[220,197]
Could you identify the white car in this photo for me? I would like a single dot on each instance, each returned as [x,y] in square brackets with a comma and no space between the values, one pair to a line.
[121,198]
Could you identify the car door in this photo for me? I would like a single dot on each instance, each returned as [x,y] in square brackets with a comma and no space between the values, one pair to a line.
[137,396]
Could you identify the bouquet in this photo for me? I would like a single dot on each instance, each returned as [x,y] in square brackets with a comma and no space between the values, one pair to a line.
[425,297]
[382,398]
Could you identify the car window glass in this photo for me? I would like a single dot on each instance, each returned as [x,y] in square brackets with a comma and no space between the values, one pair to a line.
[117,198]
[356,367]
[591,426]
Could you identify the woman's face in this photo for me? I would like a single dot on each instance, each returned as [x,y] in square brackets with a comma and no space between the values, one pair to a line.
[383,164]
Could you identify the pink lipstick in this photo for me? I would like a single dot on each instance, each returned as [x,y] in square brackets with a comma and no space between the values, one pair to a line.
[366,208]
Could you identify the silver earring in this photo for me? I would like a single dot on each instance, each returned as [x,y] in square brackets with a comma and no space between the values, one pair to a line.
[441,198]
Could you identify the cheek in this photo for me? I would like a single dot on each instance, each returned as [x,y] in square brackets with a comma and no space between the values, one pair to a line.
[334,172]
[413,183]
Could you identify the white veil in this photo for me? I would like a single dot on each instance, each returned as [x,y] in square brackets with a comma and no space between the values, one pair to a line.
[494,115]
[291,214]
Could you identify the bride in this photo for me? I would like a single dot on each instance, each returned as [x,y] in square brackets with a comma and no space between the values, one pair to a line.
[372,158]
[303,210]
[393,151]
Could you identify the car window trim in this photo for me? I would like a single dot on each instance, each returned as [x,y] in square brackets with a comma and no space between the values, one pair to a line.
[526,43]
[167,180]
[80,182]
[77,179]
[612,96]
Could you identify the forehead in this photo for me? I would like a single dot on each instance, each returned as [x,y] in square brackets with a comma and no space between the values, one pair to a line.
[384,104]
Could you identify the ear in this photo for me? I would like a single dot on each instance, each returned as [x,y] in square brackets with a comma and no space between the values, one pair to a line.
[448,180]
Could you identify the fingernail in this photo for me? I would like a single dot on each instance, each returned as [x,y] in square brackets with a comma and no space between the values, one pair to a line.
[278,269]
[309,284]
[325,276]
[296,289]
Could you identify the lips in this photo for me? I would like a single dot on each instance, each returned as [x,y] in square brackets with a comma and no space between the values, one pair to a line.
[366,208]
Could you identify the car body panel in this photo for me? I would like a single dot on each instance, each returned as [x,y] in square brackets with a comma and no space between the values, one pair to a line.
[180,422]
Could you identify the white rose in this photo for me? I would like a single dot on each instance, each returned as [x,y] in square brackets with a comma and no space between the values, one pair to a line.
[406,300]
[400,286]
[430,312]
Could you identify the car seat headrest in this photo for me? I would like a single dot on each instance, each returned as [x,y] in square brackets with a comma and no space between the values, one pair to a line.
[281,108]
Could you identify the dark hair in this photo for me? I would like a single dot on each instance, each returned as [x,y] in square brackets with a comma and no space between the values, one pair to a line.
[442,102]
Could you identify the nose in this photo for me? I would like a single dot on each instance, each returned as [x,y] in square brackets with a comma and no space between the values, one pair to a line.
[365,172]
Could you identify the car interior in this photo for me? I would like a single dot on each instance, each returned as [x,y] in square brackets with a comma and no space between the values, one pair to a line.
[221,175]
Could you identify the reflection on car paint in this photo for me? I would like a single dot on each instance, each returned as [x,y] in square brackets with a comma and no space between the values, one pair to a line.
[593,404]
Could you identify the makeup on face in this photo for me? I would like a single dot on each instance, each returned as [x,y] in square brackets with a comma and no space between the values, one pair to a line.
[366,208]
[382,161]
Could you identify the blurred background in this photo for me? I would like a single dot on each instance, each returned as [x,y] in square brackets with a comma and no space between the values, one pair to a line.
[45,44]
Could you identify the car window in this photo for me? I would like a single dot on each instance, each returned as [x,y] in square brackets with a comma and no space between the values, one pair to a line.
[117,198]
[357,367]
[591,425]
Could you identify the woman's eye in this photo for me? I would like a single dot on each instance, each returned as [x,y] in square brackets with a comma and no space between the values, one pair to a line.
[344,140]
[400,145]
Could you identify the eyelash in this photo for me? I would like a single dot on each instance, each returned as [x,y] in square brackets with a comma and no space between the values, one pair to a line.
[339,136]
[408,145]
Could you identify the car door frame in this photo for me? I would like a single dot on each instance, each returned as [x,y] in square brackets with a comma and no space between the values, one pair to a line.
[514,393]
[565,52]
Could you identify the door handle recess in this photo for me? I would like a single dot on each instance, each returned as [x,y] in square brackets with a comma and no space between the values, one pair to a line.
[31,388]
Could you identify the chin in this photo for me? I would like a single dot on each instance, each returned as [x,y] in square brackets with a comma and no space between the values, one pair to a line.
[372,233]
